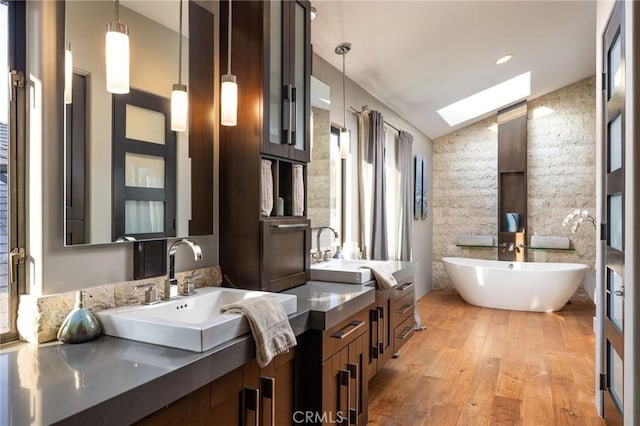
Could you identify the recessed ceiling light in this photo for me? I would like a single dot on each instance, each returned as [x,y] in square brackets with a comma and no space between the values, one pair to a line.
[504,59]
[487,100]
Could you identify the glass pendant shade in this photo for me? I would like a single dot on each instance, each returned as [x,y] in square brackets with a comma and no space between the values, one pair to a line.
[345,142]
[179,108]
[117,49]
[68,74]
[229,100]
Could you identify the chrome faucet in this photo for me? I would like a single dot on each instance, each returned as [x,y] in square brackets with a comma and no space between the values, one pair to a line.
[171,284]
[319,232]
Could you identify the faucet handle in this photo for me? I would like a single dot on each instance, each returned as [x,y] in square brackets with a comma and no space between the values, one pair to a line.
[150,294]
[190,285]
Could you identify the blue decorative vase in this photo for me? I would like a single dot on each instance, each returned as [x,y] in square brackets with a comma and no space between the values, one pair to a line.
[512,221]
[80,325]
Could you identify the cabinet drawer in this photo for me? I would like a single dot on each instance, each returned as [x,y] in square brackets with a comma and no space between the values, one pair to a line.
[402,333]
[345,332]
[402,308]
[285,253]
[402,289]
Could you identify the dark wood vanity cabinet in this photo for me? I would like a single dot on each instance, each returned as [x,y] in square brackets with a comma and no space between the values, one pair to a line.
[247,395]
[391,324]
[271,57]
[334,376]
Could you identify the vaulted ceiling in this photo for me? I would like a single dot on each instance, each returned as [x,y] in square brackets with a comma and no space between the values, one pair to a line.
[419,56]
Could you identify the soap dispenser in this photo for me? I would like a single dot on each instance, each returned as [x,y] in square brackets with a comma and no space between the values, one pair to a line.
[80,325]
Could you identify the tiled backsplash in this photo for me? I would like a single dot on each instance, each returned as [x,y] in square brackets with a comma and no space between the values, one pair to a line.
[39,317]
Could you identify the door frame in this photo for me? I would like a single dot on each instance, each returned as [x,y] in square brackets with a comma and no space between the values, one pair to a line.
[632,210]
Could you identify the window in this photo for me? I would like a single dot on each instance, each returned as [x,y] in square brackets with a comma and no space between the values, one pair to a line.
[12,104]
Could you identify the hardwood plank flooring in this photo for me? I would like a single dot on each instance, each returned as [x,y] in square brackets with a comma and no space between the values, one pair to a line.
[481,366]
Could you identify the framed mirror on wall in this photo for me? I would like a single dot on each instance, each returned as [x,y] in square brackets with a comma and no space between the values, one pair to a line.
[128,176]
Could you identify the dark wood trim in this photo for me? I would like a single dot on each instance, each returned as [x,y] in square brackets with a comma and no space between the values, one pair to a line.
[149,259]
[75,163]
[512,176]
[201,123]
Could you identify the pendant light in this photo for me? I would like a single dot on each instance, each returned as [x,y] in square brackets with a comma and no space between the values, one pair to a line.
[179,97]
[68,74]
[117,49]
[344,141]
[229,90]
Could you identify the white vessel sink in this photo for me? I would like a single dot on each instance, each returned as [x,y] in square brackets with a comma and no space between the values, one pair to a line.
[341,271]
[193,322]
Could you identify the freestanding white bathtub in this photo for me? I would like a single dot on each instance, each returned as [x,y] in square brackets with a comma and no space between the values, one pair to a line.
[520,286]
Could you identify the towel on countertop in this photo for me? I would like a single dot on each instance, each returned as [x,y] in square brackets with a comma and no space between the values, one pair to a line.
[298,190]
[266,205]
[550,242]
[384,279]
[269,325]
[475,240]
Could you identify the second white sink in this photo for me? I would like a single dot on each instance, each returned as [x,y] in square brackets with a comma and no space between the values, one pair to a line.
[193,323]
[341,271]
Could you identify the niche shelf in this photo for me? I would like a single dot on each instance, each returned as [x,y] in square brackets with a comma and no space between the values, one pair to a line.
[512,177]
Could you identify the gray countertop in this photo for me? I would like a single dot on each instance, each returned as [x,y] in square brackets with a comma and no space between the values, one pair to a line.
[116,381]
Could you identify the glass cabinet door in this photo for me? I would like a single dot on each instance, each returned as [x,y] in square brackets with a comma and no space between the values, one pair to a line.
[276,78]
[299,74]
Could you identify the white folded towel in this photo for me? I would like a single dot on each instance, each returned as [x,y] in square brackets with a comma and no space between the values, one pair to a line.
[298,190]
[266,205]
[474,240]
[384,279]
[269,325]
[550,242]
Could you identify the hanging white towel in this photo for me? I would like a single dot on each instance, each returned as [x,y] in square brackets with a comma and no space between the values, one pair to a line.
[266,205]
[384,278]
[269,325]
[298,190]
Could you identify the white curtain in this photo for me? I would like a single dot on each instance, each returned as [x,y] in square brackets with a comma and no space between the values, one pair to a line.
[393,197]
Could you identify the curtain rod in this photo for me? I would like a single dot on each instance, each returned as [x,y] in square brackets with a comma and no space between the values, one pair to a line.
[385,121]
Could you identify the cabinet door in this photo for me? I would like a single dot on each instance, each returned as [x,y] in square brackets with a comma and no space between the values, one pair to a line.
[276,138]
[285,253]
[226,399]
[192,409]
[287,79]
[271,390]
[359,396]
[300,72]
[336,388]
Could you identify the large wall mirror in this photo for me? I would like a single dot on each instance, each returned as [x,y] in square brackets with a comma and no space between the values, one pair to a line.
[325,171]
[127,175]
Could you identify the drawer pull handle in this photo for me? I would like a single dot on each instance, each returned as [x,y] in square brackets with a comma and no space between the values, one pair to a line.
[404,286]
[353,412]
[251,404]
[354,325]
[268,386]
[406,308]
[405,333]
[290,225]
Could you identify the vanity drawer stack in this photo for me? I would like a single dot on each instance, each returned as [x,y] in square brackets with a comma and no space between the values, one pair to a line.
[402,307]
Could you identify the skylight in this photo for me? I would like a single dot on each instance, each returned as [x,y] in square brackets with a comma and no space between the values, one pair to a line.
[488,100]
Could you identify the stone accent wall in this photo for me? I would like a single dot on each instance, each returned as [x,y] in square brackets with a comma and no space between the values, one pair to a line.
[561,177]
[318,171]
[39,317]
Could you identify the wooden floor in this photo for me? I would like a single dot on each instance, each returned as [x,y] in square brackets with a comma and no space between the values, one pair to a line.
[480,366]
